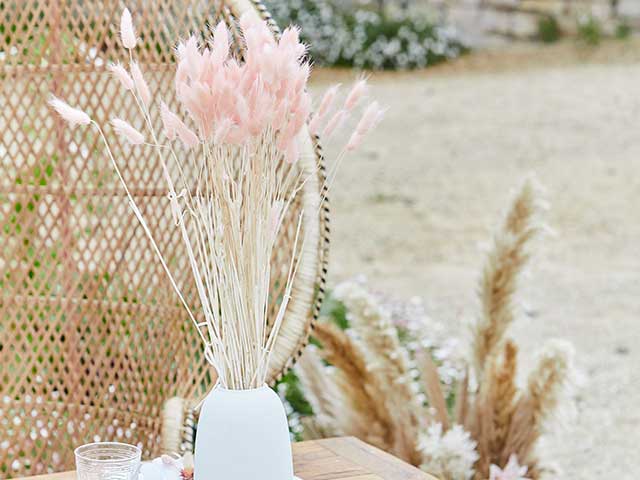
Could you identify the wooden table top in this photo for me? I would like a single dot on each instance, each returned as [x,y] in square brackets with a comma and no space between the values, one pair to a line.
[332,459]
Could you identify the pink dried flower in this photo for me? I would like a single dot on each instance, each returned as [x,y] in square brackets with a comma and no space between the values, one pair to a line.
[127,32]
[125,130]
[290,40]
[292,153]
[121,74]
[73,116]
[370,118]
[187,470]
[335,123]
[185,134]
[222,131]
[169,121]
[220,48]
[141,85]
[513,471]
[358,91]
[323,109]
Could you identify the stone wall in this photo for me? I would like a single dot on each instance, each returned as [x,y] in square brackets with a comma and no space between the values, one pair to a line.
[483,20]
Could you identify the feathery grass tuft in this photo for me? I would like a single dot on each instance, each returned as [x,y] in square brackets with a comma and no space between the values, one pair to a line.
[505,262]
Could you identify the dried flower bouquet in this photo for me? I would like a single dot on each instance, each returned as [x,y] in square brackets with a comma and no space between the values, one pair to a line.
[389,388]
[236,155]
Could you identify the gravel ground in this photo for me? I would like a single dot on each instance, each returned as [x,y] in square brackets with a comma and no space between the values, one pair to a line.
[414,210]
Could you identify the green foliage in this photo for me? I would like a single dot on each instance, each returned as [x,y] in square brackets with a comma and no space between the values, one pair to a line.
[623,30]
[363,38]
[589,31]
[548,29]
[294,395]
[335,311]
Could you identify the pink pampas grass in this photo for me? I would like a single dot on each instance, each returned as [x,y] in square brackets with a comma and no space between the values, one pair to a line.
[121,74]
[124,129]
[173,127]
[323,109]
[127,32]
[358,91]
[370,119]
[335,123]
[228,197]
[141,85]
[73,116]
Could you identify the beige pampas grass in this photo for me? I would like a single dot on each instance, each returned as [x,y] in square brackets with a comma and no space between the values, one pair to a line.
[322,393]
[489,420]
[504,264]
[494,409]
[390,362]
[433,388]
[505,395]
[363,389]
[551,379]
[547,387]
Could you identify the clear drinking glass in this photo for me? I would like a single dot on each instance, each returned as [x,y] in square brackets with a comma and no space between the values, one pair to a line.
[108,461]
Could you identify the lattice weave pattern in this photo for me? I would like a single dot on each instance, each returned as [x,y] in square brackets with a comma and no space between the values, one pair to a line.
[93,340]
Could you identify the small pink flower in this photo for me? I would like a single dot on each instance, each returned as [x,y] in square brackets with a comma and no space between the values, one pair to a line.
[125,130]
[187,470]
[127,32]
[513,471]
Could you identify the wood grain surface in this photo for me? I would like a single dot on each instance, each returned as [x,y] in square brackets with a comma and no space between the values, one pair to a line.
[332,459]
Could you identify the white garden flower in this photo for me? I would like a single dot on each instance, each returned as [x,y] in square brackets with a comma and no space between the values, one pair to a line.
[449,455]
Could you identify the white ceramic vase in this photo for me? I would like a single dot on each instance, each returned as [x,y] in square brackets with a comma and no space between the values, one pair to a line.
[243,435]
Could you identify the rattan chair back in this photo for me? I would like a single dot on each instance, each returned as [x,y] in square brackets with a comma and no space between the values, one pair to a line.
[93,340]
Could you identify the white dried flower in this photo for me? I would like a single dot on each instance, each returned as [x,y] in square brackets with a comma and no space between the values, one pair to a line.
[449,456]
[127,32]
[73,116]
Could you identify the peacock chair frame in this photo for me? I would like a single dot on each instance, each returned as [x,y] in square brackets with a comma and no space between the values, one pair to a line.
[94,344]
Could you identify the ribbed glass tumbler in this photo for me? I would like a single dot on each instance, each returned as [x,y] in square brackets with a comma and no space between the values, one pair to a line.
[108,461]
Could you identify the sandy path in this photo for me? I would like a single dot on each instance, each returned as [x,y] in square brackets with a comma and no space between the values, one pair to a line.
[414,209]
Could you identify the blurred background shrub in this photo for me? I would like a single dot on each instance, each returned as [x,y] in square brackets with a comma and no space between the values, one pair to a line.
[349,35]
[548,29]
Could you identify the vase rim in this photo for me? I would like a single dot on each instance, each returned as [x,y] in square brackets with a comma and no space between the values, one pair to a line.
[240,390]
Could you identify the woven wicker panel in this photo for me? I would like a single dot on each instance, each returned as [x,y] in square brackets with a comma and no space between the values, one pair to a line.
[92,338]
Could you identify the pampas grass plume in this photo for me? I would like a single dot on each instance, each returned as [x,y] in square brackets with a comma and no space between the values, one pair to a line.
[127,32]
[141,84]
[550,378]
[358,91]
[501,272]
[323,109]
[173,127]
[335,123]
[370,118]
[73,116]
[121,74]
[124,129]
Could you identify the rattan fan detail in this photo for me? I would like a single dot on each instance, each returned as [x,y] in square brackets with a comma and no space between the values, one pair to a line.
[92,339]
